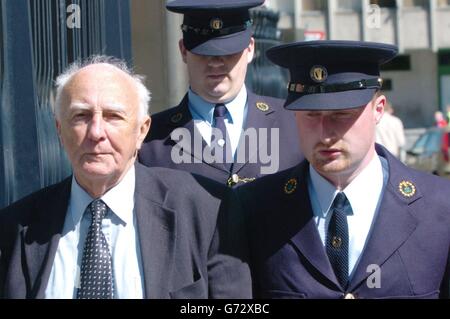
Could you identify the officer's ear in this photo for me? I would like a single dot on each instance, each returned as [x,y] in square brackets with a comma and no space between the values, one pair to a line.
[183,50]
[250,50]
[378,107]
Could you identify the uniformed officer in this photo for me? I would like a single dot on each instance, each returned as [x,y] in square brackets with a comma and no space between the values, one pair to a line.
[350,221]
[220,129]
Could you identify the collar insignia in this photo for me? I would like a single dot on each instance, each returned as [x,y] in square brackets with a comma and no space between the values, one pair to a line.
[290,186]
[407,188]
[176,118]
[263,107]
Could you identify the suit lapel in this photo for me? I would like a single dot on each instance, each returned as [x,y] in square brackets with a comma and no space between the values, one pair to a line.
[307,239]
[393,225]
[41,237]
[182,118]
[255,119]
[156,227]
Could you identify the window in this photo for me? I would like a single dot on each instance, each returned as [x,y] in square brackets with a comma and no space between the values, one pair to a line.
[444,58]
[400,63]
[314,5]
[353,5]
[387,85]
[384,3]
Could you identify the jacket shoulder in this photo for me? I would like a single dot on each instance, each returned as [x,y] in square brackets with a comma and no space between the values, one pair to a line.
[165,121]
[273,102]
[23,210]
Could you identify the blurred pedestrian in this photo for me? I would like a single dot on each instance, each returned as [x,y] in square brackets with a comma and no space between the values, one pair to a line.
[390,132]
[439,119]
[448,114]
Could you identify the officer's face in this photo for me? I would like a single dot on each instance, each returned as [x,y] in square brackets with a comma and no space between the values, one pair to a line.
[217,78]
[99,126]
[339,144]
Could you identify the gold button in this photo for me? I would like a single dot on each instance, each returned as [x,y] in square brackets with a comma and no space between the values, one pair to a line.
[336,242]
[233,180]
[349,296]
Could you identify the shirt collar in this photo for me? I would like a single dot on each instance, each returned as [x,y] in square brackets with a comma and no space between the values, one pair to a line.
[120,198]
[205,110]
[368,181]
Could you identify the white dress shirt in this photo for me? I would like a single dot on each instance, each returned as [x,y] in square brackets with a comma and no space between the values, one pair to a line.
[120,230]
[203,115]
[363,193]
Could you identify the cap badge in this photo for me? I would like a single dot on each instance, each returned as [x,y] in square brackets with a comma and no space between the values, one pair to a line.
[262,106]
[290,186]
[216,24]
[407,188]
[176,118]
[318,73]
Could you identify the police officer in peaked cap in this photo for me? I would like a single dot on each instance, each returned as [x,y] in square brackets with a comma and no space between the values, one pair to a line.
[220,129]
[350,221]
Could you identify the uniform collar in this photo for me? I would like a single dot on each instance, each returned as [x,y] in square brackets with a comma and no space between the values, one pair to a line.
[205,110]
[369,181]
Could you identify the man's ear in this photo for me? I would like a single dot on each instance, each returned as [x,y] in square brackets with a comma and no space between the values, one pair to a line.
[378,107]
[251,50]
[183,50]
[58,130]
[143,131]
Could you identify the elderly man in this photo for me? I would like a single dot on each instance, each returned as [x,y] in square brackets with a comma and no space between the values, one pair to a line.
[351,221]
[117,229]
[220,129]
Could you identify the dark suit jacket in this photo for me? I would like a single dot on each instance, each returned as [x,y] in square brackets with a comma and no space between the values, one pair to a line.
[158,145]
[189,247]
[409,240]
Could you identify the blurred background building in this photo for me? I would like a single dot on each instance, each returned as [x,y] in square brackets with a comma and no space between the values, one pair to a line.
[38,38]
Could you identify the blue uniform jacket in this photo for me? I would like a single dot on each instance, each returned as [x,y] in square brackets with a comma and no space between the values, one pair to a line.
[409,240]
[263,112]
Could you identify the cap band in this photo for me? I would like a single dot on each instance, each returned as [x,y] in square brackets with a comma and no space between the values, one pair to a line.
[337,87]
[217,32]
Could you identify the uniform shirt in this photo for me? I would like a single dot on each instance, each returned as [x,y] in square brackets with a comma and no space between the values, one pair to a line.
[203,115]
[120,230]
[364,194]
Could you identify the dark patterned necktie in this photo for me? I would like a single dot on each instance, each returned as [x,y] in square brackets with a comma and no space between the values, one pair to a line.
[220,112]
[337,238]
[96,279]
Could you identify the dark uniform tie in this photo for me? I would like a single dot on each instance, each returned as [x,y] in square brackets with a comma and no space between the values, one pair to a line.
[96,278]
[337,237]
[220,112]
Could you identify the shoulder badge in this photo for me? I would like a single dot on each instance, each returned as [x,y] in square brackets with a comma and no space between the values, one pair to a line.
[290,186]
[407,188]
[176,118]
[262,106]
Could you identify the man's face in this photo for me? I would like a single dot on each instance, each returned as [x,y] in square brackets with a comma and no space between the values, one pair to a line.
[99,126]
[217,79]
[339,144]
